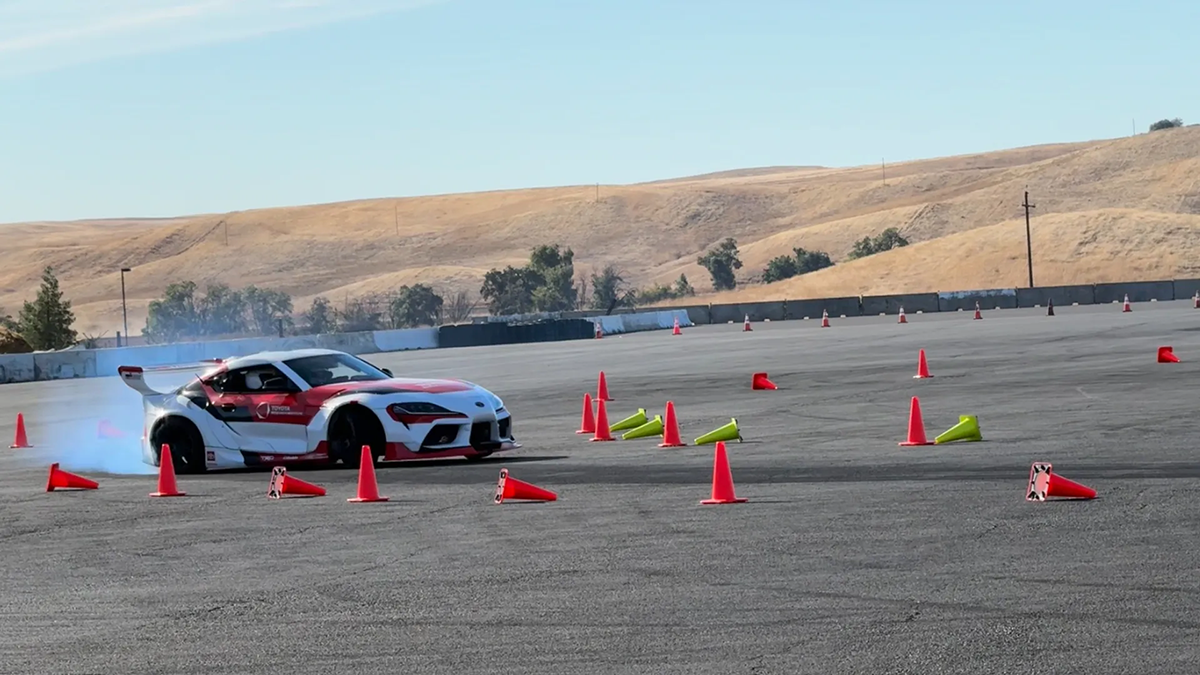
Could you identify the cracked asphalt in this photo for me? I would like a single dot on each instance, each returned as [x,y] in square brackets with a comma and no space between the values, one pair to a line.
[852,555]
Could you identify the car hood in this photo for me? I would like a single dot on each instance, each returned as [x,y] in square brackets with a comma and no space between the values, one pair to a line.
[396,385]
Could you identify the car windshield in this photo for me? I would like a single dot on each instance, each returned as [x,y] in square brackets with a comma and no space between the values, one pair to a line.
[334,369]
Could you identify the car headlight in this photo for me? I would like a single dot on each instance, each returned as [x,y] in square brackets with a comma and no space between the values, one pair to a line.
[419,413]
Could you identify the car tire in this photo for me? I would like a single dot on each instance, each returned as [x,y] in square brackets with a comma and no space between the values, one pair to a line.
[187,445]
[351,428]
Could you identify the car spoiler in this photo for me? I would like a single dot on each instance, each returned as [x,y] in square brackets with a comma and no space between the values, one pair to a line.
[135,376]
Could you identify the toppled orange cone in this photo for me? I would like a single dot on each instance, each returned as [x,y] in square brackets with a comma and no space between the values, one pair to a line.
[1167,355]
[166,475]
[761,381]
[284,484]
[1045,484]
[65,480]
[511,488]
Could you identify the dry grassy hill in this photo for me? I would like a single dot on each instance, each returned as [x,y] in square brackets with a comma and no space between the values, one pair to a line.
[1106,211]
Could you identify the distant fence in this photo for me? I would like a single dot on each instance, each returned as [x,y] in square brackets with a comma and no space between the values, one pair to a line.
[79,363]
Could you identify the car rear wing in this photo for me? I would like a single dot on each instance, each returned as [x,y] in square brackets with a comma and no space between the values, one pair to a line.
[135,376]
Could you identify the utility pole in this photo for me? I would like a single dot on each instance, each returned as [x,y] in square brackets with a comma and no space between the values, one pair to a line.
[124,312]
[1028,237]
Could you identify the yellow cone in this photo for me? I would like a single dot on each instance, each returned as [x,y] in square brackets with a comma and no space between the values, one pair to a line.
[652,428]
[967,429]
[632,422]
[729,432]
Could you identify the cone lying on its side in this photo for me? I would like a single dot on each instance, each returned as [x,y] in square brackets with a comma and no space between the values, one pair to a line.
[722,480]
[1044,484]
[729,432]
[1167,355]
[166,475]
[65,480]
[284,484]
[670,432]
[632,422]
[916,425]
[652,428]
[511,488]
[588,425]
[368,488]
[760,381]
[967,429]
[20,439]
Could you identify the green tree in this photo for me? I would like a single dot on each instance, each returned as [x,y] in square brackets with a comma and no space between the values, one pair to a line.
[359,315]
[609,290]
[780,268]
[811,261]
[683,288]
[270,310]
[46,323]
[1166,124]
[222,311]
[414,306]
[721,263]
[7,322]
[320,319]
[174,316]
[510,291]
[885,241]
[556,267]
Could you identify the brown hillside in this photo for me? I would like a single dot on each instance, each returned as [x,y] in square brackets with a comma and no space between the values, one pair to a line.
[1107,210]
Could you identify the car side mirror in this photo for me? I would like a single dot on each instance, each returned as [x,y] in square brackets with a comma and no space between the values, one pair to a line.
[387,372]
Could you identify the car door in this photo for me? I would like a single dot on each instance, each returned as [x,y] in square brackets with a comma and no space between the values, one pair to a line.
[259,403]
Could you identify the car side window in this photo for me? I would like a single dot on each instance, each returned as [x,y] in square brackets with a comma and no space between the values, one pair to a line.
[264,379]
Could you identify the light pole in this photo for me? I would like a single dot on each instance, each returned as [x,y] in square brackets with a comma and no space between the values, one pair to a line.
[1028,238]
[124,312]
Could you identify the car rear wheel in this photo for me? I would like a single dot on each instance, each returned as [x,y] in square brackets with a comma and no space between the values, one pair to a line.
[186,443]
[350,429]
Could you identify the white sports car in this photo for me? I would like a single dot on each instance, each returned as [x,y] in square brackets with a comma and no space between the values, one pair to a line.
[313,405]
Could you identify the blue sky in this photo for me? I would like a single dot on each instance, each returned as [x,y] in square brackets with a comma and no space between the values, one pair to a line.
[170,107]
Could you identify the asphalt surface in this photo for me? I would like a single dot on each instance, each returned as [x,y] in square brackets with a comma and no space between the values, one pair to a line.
[852,554]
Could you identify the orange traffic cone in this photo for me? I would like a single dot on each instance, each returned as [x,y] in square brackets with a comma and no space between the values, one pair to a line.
[20,440]
[760,381]
[1044,484]
[1196,300]
[722,480]
[671,437]
[1126,307]
[511,488]
[1167,355]
[675,330]
[368,489]
[1049,308]
[903,319]
[283,484]
[922,367]
[978,314]
[602,389]
[746,325]
[166,476]
[64,480]
[599,331]
[588,426]
[602,432]
[824,318]
[916,425]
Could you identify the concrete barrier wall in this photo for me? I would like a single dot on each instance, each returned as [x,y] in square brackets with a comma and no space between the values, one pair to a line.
[799,309]
[757,311]
[891,304]
[16,368]
[64,365]
[1061,295]
[1143,291]
[404,340]
[640,321]
[1186,289]
[992,298]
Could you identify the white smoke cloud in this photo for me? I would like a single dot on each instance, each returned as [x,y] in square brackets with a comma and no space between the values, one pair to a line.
[40,35]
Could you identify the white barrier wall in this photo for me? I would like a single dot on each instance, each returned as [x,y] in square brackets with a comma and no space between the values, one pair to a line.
[76,363]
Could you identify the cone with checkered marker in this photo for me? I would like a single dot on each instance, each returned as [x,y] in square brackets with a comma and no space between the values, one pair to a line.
[1045,484]
[653,427]
[729,432]
[967,429]
[283,484]
[65,480]
[632,422]
[508,487]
